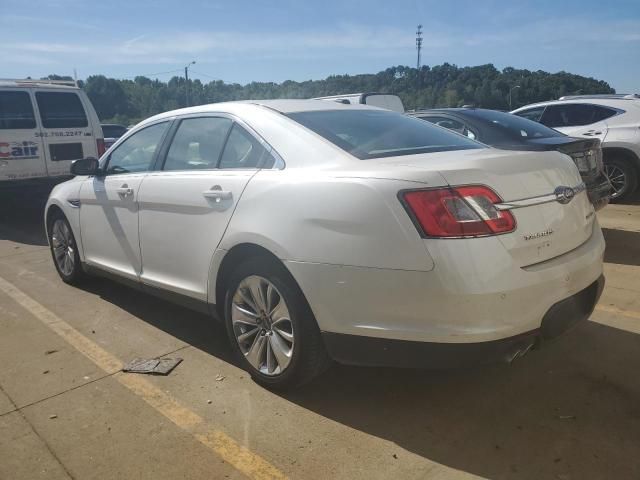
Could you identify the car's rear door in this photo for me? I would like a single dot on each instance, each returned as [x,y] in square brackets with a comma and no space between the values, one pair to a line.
[186,206]
[67,132]
[21,152]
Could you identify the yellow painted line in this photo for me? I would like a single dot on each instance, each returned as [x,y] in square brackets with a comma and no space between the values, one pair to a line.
[618,311]
[241,458]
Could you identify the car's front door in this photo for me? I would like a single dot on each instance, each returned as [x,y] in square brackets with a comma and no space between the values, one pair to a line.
[109,204]
[186,206]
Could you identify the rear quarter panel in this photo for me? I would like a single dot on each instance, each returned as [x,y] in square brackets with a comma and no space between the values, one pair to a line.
[328,219]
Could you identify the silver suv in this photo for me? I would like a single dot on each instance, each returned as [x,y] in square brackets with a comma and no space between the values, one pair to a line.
[614,119]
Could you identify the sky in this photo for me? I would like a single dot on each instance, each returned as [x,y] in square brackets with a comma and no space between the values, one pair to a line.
[268,40]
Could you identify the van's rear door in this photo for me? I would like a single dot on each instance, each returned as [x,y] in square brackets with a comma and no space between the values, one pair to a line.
[66,129]
[21,152]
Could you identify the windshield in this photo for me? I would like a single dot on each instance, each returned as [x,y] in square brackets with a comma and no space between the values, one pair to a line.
[378,133]
[513,125]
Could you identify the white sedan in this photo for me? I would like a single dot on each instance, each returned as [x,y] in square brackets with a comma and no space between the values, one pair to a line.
[319,231]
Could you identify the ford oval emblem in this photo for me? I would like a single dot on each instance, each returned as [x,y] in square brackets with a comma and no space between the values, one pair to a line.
[564,194]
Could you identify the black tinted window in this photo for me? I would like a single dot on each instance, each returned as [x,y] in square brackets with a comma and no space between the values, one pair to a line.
[574,115]
[136,153]
[61,110]
[197,144]
[375,133]
[16,111]
[113,131]
[243,150]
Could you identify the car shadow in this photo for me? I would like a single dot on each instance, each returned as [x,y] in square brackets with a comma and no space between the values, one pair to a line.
[570,408]
[197,329]
[623,247]
[22,216]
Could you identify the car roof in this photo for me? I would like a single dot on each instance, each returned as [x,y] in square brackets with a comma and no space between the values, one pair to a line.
[450,110]
[28,83]
[607,102]
[281,106]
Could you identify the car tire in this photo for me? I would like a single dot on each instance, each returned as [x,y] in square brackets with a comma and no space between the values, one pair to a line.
[271,327]
[64,250]
[623,177]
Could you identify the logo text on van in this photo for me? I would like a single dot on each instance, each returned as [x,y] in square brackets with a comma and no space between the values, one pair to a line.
[18,150]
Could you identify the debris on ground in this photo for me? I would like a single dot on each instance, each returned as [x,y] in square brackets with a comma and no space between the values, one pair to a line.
[220,378]
[49,352]
[209,402]
[152,366]
[45,372]
[395,456]
[52,417]
[567,417]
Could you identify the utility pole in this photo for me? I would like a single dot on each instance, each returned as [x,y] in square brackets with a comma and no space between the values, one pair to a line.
[419,44]
[511,94]
[186,81]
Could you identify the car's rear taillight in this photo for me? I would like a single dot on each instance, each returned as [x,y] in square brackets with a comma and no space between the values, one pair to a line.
[467,211]
[101,146]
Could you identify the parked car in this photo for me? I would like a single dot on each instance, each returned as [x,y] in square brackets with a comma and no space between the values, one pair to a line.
[510,132]
[381,100]
[614,119]
[112,132]
[317,231]
[44,126]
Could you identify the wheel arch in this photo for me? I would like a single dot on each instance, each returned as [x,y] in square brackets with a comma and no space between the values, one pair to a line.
[55,206]
[228,260]
[622,152]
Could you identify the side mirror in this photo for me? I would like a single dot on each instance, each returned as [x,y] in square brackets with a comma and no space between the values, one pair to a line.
[85,166]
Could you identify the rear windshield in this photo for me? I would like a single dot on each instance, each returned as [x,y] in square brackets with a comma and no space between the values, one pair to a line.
[375,133]
[513,125]
[113,131]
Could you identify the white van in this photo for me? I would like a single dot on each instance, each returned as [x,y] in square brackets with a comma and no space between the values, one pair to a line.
[382,100]
[44,126]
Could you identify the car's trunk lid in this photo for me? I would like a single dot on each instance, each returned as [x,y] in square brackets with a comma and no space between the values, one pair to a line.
[545,227]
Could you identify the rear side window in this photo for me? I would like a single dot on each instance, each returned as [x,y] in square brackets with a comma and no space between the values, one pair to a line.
[243,150]
[61,110]
[369,134]
[531,113]
[197,144]
[16,111]
[575,115]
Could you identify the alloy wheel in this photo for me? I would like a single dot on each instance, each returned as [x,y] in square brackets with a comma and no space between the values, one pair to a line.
[63,246]
[617,178]
[262,325]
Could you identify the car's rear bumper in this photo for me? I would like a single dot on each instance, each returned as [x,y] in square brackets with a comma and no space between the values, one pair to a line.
[599,191]
[476,293]
[371,351]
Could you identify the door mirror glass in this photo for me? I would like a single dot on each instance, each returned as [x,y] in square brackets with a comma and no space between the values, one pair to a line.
[85,166]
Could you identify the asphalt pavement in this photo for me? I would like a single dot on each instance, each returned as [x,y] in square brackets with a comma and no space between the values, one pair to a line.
[570,410]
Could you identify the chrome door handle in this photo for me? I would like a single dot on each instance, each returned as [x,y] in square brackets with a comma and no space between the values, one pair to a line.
[218,194]
[124,191]
[590,133]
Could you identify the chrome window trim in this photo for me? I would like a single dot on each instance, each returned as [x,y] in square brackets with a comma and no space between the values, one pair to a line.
[279,163]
